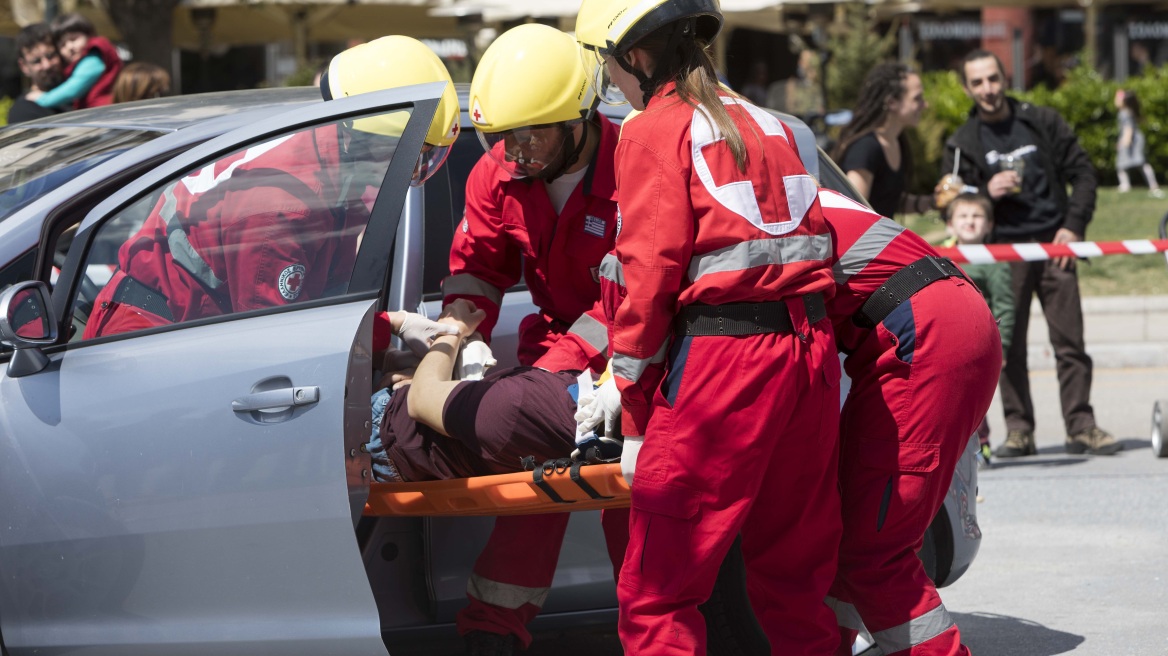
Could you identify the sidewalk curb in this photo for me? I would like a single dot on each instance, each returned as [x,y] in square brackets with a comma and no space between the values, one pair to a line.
[1120,331]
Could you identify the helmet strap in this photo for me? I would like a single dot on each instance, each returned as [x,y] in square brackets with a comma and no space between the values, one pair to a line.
[683,28]
[574,149]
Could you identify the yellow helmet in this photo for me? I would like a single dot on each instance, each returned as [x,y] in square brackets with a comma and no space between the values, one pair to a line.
[388,63]
[529,90]
[613,27]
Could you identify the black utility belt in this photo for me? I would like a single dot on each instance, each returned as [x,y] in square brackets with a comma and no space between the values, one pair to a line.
[745,318]
[132,292]
[902,285]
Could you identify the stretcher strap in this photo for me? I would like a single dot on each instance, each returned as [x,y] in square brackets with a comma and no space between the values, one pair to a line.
[557,467]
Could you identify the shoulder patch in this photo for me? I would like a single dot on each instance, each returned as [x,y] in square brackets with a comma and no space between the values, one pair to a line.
[292,281]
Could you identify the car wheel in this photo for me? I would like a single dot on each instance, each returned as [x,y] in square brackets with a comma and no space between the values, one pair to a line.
[731,628]
[1160,428]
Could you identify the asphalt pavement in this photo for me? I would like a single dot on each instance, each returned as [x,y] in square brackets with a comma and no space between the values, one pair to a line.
[1074,558]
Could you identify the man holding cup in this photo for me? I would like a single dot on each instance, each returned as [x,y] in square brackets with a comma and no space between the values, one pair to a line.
[1023,157]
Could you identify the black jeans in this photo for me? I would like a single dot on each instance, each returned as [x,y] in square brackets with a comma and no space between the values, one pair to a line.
[1058,293]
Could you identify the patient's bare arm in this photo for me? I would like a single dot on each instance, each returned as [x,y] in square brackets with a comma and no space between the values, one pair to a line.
[432,383]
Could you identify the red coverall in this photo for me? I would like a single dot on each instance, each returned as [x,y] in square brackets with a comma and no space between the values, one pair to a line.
[922,380]
[740,431]
[511,228]
[265,230]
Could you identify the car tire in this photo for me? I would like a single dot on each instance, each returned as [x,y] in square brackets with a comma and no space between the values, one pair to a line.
[1160,428]
[731,628]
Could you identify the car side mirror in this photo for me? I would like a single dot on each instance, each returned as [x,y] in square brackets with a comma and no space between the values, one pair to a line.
[26,324]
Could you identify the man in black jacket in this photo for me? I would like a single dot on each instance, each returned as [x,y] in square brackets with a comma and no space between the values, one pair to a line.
[38,59]
[1023,157]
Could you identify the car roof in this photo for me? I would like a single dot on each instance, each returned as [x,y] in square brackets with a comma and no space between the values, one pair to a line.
[175,113]
[804,137]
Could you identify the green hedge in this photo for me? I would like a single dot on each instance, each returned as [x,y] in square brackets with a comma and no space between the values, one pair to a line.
[1085,100]
[5,103]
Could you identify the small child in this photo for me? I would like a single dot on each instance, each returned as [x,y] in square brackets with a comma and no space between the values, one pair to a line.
[1129,150]
[91,65]
[969,220]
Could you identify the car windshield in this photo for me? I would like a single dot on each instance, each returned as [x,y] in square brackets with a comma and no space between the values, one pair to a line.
[36,160]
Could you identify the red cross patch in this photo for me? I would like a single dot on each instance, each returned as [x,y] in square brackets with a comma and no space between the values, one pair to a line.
[292,281]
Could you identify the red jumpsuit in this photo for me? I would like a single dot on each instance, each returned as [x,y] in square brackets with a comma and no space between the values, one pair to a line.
[740,431]
[922,379]
[264,229]
[511,228]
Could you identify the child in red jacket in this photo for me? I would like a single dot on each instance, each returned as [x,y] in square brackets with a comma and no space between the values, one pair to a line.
[91,65]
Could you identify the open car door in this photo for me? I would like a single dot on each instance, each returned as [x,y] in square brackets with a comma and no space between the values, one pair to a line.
[192,488]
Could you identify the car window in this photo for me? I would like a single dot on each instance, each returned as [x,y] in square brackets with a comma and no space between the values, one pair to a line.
[34,161]
[445,202]
[270,225]
[831,177]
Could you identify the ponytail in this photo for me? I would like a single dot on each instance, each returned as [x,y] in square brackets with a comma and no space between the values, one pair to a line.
[691,68]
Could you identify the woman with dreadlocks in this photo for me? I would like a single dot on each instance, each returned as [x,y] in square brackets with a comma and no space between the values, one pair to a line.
[726,366]
[873,149]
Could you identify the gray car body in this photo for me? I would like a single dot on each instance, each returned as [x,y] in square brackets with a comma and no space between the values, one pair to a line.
[133,523]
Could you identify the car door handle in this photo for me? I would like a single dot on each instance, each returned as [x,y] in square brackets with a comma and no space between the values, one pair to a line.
[278,399]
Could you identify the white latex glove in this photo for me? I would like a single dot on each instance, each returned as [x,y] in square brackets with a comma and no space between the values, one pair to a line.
[629,457]
[604,406]
[417,332]
[585,399]
[474,359]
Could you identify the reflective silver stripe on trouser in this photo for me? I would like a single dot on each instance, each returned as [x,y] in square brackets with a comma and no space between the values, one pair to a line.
[630,368]
[181,249]
[591,331]
[612,270]
[916,631]
[504,595]
[846,614]
[464,284]
[866,248]
[761,252]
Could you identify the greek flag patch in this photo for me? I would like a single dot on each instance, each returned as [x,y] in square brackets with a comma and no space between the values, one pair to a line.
[594,225]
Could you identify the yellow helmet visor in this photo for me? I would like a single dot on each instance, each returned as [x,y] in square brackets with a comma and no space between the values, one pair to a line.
[526,152]
[599,79]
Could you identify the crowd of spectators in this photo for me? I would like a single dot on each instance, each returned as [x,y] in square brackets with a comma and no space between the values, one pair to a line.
[69,66]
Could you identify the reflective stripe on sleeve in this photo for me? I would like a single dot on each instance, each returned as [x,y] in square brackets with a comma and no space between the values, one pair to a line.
[181,249]
[591,331]
[465,284]
[916,631]
[866,248]
[761,252]
[504,595]
[846,614]
[630,368]
[612,270]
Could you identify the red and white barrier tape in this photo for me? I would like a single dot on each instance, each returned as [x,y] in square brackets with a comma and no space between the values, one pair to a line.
[1034,252]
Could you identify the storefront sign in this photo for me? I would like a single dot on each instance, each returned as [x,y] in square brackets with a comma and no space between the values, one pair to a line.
[960,30]
[1147,30]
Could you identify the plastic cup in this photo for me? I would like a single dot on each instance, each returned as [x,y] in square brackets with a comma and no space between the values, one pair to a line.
[951,185]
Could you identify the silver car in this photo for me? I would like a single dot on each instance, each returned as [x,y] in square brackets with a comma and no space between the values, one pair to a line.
[199,488]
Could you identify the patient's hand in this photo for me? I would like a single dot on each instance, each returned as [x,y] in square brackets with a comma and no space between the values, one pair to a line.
[464,315]
[397,368]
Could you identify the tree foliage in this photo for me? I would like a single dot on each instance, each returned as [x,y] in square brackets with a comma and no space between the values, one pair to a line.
[855,47]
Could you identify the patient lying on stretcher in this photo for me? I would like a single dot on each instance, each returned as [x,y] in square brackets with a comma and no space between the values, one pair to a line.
[432,427]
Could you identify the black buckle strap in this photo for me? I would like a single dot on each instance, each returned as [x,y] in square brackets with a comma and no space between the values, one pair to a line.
[559,466]
[901,285]
[132,292]
[745,318]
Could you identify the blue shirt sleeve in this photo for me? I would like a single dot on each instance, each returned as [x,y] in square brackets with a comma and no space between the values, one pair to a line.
[84,76]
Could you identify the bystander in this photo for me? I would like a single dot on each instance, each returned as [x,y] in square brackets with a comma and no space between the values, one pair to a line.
[1023,157]
[39,62]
